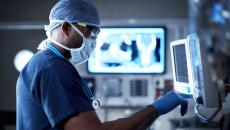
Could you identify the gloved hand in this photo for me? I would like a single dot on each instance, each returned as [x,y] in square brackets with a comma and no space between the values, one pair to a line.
[170,101]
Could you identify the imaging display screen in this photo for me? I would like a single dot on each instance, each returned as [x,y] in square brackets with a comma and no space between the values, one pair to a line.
[180,62]
[129,50]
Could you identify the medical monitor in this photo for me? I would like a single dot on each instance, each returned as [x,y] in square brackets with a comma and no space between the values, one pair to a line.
[205,91]
[129,50]
[181,67]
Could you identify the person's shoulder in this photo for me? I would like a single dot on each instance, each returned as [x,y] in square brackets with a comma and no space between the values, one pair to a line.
[46,59]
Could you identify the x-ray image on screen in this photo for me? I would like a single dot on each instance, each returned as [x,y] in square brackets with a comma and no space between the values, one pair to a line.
[129,50]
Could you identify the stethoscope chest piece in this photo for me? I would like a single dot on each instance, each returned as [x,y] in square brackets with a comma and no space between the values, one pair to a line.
[95,103]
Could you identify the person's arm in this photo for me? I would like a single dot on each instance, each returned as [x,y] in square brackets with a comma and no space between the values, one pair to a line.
[138,121]
[89,121]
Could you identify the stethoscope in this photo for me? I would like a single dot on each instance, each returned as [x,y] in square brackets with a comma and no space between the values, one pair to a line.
[95,102]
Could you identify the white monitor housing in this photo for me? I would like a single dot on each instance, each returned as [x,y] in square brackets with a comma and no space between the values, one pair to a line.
[205,90]
[191,71]
[181,67]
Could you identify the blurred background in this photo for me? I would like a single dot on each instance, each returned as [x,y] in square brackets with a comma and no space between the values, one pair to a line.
[22,29]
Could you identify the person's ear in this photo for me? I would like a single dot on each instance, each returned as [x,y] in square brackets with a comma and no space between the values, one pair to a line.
[65,28]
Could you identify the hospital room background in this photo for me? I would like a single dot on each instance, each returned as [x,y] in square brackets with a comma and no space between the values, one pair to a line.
[131,66]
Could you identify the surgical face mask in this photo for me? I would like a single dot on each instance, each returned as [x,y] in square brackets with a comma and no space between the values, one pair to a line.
[82,54]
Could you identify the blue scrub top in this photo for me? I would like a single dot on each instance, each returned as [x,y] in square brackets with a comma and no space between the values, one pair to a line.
[49,90]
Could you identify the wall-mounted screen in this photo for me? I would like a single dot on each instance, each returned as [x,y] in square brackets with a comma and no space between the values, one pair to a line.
[129,50]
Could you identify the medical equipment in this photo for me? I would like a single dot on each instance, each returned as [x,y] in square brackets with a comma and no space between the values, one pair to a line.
[210,45]
[205,92]
[207,57]
[192,74]
[181,65]
[129,50]
[140,91]
[134,91]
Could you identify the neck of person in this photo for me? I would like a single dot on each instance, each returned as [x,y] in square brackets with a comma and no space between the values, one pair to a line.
[64,52]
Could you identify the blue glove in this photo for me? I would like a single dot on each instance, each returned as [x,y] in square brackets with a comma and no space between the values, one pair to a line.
[170,101]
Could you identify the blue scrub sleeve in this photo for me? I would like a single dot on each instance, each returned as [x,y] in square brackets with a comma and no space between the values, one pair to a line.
[61,94]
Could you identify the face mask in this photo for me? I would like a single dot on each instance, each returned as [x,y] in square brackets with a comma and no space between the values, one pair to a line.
[82,54]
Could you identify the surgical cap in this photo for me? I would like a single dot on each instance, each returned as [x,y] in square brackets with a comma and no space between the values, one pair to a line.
[82,11]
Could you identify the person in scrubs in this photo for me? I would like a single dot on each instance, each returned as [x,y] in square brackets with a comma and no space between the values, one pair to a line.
[51,95]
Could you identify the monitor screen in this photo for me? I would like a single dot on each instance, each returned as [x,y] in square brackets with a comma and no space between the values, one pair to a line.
[129,50]
[180,63]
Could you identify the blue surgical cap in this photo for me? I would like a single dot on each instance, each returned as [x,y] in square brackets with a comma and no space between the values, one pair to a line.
[82,11]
